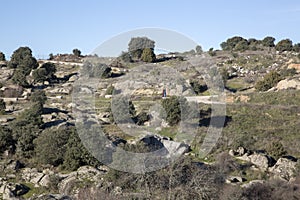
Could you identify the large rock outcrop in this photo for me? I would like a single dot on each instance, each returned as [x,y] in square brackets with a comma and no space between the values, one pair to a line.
[284,168]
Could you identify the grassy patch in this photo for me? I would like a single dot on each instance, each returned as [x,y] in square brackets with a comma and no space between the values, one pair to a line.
[34,191]
[254,126]
[282,97]
[237,84]
[170,132]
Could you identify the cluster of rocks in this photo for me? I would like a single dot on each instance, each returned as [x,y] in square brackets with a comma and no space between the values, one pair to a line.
[284,168]
[293,83]
[68,184]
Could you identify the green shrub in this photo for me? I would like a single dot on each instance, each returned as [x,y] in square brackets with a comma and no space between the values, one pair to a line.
[50,146]
[138,44]
[126,57]
[109,90]
[76,154]
[77,52]
[211,52]
[269,81]
[198,87]
[44,73]
[141,118]
[2,107]
[176,109]
[276,149]
[268,41]
[288,72]
[24,136]
[38,96]
[6,139]
[235,43]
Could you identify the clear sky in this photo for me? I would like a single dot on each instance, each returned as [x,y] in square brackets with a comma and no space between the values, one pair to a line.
[58,26]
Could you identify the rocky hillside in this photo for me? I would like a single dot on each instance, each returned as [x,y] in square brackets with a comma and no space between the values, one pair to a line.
[42,156]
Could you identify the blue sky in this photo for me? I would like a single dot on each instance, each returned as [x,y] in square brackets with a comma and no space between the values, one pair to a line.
[52,26]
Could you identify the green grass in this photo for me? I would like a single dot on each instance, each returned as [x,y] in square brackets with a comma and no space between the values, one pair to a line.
[237,84]
[170,132]
[255,126]
[34,191]
[282,97]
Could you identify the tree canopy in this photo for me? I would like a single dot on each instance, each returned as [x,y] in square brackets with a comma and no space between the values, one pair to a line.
[137,45]
[23,61]
[44,73]
[148,55]
[77,52]
[284,45]
[235,43]
[2,56]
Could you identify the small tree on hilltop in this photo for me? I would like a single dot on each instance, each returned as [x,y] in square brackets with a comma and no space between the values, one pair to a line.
[22,58]
[268,41]
[77,52]
[23,61]
[199,49]
[284,45]
[2,56]
[138,44]
[148,55]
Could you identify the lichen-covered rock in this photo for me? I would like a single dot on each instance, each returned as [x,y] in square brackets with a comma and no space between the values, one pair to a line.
[284,168]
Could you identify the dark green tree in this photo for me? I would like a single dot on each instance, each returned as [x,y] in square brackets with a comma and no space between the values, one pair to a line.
[38,96]
[2,56]
[22,57]
[284,45]
[76,154]
[231,44]
[199,49]
[24,136]
[77,52]
[141,118]
[51,56]
[198,87]
[44,73]
[173,110]
[268,41]
[296,47]
[211,52]
[23,61]
[6,139]
[51,146]
[148,55]
[31,115]
[2,107]
[241,46]
[138,44]
[19,77]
